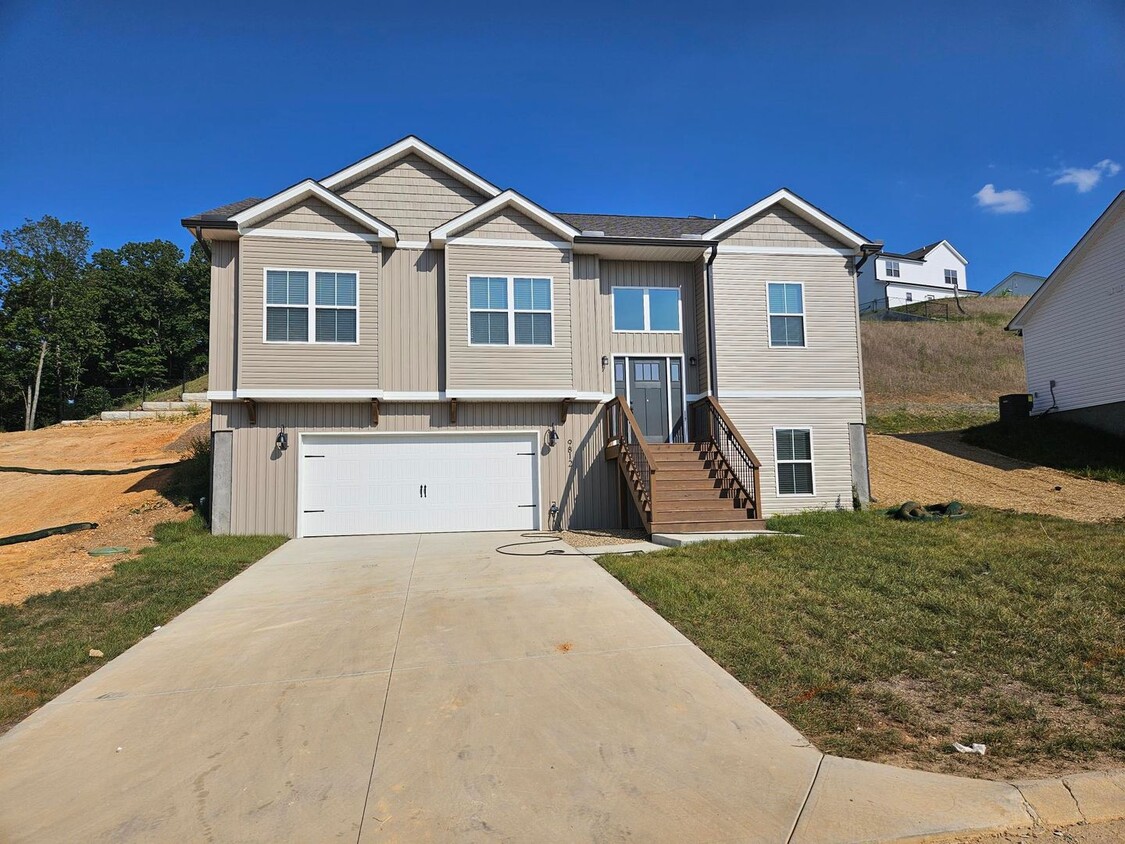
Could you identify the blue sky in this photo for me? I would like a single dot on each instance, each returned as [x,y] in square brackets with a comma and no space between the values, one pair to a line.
[891,116]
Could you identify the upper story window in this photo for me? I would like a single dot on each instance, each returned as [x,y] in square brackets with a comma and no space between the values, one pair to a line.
[510,310]
[892,269]
[951,277]
[786,314]
[652,309]
[332,313]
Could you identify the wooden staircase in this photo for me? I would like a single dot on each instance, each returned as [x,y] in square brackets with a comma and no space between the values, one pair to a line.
[707,486]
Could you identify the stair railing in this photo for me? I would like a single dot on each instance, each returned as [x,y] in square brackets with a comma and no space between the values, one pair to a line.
[710,424]
[621,428]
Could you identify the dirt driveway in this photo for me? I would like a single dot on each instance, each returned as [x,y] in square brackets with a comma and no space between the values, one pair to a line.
[938,467]
[124,506]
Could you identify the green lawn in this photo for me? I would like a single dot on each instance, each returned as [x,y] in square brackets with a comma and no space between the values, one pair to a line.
[1081,451]
[45,642]
[886,640]
[916,418]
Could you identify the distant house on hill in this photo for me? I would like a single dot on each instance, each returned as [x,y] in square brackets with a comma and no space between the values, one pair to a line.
[891,279]
[1017,284]
[1073,330]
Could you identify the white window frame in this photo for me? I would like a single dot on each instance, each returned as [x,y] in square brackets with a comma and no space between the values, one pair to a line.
[511,309]
[955,281]
[310,306]
[645,307]
[893,269]
[803,315]
[811,461]
[909,295]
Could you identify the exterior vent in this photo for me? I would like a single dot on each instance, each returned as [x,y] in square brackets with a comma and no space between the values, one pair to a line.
[687,236]
[592,233]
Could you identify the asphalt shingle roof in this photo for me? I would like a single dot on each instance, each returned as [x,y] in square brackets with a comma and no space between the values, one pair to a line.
[225,212]
[622,225]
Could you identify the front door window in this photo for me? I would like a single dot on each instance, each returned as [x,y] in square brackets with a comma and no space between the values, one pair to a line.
[648,397]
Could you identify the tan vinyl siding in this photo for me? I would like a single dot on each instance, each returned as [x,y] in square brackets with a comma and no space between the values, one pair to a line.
[828,420]
[305,365]
[701,351]
[507,367]
[409,319]
[1076,334]
[224,313]
[830,359]
[412,195]
[780,227]
[575,474]
[311,214]
[590,327]
[507,224]
[655,274]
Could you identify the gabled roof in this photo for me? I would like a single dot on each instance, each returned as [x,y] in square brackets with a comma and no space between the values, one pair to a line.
[920,254]
[1054,279]
[1016,275]
[250,215]
[410,145]
[221,214]
[621,225]
[507,199]
[801,207]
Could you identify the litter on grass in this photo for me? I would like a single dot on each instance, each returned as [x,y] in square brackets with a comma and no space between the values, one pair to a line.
[974,748]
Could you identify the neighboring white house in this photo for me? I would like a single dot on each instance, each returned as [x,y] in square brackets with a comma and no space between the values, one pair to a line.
[1073,330]
[889,280]
[1017,284]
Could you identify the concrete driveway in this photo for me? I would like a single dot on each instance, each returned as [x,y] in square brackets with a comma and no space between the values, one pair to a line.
[427,688]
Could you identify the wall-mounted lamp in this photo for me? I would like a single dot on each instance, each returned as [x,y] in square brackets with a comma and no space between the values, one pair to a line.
[605,360]
[282,441]
[691,361]
[552,437]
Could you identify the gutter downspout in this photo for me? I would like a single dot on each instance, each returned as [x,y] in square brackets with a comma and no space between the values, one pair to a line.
[712,348]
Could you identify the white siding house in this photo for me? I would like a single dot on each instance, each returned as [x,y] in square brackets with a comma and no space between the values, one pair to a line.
[1073,330]
[933,272]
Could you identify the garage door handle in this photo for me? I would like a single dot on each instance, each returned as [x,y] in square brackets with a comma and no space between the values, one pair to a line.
[314,511]
[527,505]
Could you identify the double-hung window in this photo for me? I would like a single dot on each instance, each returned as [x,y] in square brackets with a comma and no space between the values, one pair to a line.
[510,311]
[650,309]
[892,269]
[331,314]
[793,457]
[786,314]
[951,277]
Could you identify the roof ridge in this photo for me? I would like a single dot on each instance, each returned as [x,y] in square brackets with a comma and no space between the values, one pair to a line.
[645,216]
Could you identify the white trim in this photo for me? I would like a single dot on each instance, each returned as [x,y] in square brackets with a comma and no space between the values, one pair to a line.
[794,203]
[791,394]
[528,395]
[645,311]
[803,315]
[824,251]
[308,187]
[221,395]
[407,395]
[305,234]
[413,244]
[811,461]
[463,433]
[300,395]
[406,146]
[511,311]
[694,397]
[469,240]
[309,306]
[508,198]
[949,246]
[667,357]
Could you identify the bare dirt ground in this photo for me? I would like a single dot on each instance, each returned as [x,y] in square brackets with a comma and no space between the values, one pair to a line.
[1102,833]
[938,467]
[125,507]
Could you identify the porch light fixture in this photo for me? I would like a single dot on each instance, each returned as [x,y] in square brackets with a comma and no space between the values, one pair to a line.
[552,437]
[282,441]
[605,360]
[691,361]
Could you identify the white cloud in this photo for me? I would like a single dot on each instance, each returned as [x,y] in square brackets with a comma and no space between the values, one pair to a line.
[1085,179]
[1002,201]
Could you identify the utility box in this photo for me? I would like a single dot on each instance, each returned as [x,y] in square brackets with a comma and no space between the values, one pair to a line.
[1015,406]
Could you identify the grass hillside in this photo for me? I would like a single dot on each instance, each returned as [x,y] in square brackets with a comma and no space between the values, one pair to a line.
[935,375]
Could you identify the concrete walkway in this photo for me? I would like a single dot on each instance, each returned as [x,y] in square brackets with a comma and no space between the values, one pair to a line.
[429,689]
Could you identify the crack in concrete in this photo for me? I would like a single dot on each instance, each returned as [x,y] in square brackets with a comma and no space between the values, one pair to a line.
[805,802]
[1070,791]
[1027,807]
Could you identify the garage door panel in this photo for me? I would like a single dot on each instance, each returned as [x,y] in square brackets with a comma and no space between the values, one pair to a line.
[358,484]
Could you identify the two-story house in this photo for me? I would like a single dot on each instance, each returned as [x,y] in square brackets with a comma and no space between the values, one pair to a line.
[936,271]
[402,346]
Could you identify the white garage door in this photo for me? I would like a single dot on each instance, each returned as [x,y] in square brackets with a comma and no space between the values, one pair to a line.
[417,483]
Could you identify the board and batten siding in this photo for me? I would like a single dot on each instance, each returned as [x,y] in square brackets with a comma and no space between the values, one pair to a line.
[506,367]
[307,365]
[574,474]
[703,356]
[412,195]
[1076,334]
[590,328]
[411,320]
[832,468]
[779,226]
[311,214]
[222,337]
[746,361]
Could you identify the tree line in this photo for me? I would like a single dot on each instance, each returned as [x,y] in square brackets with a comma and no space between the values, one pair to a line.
[82,332]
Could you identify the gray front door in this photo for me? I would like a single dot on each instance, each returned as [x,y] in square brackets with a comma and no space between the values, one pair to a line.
[648,397]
